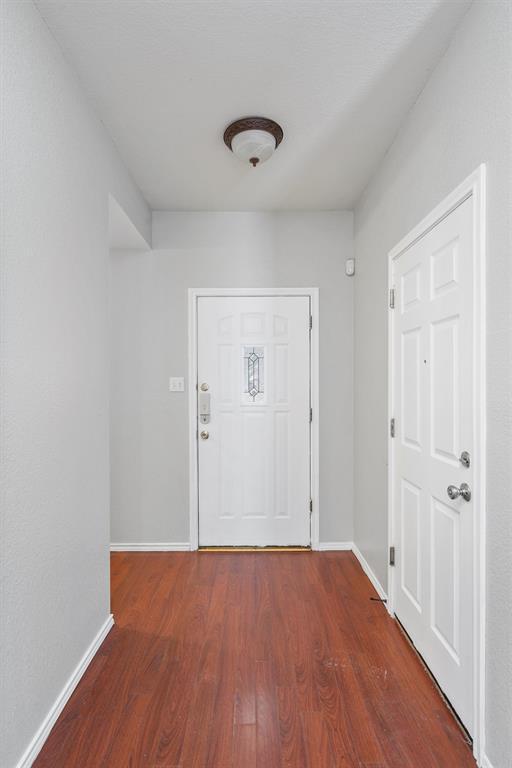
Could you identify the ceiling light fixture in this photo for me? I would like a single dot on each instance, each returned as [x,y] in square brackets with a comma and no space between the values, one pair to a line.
[253,139]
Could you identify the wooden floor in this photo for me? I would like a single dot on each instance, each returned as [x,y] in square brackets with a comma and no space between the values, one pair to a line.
[228,660]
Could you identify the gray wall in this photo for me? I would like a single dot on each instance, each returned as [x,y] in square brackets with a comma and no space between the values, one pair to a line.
[462,118]
[149,445]
[58,167]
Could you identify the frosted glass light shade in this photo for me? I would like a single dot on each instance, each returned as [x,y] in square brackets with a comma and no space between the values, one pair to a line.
[253,146]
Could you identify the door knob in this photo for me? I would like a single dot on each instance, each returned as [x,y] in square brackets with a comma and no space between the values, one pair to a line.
[204,434]
[464,491]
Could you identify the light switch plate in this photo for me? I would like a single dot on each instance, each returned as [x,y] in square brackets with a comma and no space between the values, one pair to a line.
[350,267]
[176,384]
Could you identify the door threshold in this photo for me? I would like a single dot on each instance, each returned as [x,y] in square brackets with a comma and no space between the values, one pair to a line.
[254,549]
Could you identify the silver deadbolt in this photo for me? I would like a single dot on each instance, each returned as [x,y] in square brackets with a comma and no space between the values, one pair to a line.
[465,459]
[204,435]
[204,407]
[464,491]
[204,387]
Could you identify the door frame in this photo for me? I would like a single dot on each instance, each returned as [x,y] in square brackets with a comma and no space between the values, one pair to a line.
[473,188]
[193,295]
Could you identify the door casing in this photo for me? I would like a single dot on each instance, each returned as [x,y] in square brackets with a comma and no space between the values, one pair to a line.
[473,188]
[193,295]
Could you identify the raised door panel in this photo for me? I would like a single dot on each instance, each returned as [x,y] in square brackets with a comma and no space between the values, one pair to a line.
[411,388]
[445,575]
[410,543]
[255,471]
[444,267]
[282,467]
[444,389]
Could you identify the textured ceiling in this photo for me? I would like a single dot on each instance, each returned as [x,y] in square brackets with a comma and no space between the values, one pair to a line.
[167,76]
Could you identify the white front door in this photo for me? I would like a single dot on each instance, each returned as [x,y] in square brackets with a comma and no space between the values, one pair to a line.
[254,425]
[433,405]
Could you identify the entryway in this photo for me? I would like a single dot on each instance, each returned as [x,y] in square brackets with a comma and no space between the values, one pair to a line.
[252,417]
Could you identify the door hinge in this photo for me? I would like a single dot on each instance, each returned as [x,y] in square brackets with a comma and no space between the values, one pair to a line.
[392,427]
[310,322]
[311,505]
[391,298]
[391,555]
[310,415]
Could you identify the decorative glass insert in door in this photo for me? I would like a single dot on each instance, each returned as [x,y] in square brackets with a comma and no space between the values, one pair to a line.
[254,373]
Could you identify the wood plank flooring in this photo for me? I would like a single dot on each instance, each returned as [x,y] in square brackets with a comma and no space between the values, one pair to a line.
[265,660]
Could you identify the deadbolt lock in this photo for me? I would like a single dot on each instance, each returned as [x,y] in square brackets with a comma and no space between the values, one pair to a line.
[204,407]
[204,435]
[204,387]
[465,459]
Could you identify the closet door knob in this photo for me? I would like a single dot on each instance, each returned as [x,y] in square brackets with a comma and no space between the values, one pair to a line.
[464,491]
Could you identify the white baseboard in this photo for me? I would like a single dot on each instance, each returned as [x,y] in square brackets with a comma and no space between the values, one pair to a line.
[151,546]
[44,729]
[326,546]
[366,568]
[334,546]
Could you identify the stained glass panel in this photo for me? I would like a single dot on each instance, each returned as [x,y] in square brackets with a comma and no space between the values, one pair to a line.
[254,362]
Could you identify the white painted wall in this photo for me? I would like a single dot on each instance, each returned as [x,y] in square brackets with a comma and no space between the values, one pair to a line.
[462,118]
[58,167]
[149,448]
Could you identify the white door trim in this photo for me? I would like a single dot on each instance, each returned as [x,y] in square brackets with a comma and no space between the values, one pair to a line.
[193,295]
[471,188]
